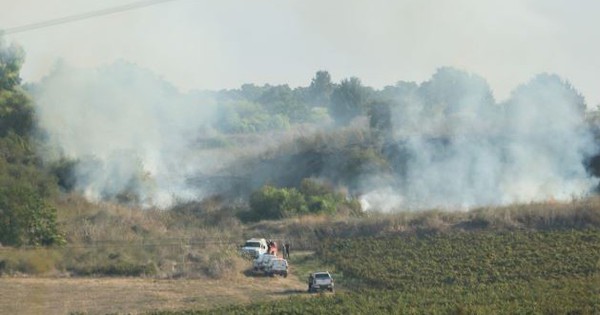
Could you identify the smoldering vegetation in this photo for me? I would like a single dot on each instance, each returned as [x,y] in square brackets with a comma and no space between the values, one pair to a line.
[124,134]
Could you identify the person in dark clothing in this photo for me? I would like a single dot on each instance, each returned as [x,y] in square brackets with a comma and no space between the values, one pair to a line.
[285,255]
[286,249]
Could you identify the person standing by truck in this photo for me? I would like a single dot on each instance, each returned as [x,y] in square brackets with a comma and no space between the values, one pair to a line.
[286,250]
[283,250]
[272,247]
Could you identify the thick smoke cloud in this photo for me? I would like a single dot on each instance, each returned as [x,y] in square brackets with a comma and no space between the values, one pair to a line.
[131,132]
[460,149]
[449,144]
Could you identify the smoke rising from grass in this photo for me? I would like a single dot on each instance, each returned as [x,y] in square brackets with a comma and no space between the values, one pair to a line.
[461,149]
[449,145]
[131,132]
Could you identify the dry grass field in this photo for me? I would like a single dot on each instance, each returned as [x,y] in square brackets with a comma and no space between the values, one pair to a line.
[135,295]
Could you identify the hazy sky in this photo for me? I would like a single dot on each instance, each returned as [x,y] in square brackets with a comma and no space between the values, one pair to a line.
[202,44]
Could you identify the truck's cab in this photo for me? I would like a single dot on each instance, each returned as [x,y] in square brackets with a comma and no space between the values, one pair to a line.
[255,247]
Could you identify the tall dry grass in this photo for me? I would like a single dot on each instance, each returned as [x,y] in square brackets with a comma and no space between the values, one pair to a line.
[306,231]
[201,239]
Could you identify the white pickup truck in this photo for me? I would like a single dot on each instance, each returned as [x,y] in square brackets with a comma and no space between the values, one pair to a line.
[255,247]
[262,262]
[321,280]
[277,266]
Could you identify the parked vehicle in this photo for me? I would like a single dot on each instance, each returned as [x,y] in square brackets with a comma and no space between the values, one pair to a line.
[262,261]
[321,280]
[277,266]
[255,247]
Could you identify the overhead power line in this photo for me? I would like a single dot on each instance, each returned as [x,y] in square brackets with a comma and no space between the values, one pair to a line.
[82,16]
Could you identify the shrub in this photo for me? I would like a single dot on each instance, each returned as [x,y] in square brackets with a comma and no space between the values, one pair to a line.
[26,219]
[30,261]
[271,203]
[276,203]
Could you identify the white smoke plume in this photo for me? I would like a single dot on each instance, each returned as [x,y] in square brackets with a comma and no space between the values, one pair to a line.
[130,131]
[452,146]
[460,149]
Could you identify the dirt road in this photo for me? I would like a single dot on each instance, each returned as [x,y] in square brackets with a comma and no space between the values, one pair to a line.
[135,295]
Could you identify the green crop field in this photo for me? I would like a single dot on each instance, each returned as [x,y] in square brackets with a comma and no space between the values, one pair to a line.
[467,259]
[521,272]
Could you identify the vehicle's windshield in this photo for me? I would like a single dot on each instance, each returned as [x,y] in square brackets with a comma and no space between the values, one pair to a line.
[322,276]
[252,244]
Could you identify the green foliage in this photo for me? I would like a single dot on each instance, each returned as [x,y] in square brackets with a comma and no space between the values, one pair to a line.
[64,171]
[275,203]
[573,296]
[25,219]
[116,268]
[271,203]
[551,272]
[544,90]
[348,100]
[320,89]
[249,117]
[11,60]
[16,112]
[19,166]
[467,259]
[380,117]
[451,92]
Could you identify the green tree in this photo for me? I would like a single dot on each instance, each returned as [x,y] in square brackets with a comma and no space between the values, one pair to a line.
[320,89]
[16,112]
[25,219]
[281,100]
[248,117]
[380,117]
[548,91]
[348,100]
[273,203]
[451,91]
[11,60]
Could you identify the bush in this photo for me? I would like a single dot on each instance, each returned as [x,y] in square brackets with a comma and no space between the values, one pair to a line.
[25,219]
[30,261]
[271,203]
[276,203]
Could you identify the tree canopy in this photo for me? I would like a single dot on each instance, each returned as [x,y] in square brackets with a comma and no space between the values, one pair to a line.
[25,217]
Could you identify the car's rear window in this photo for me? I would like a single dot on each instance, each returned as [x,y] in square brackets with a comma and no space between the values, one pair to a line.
[252,244]
[321,276]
